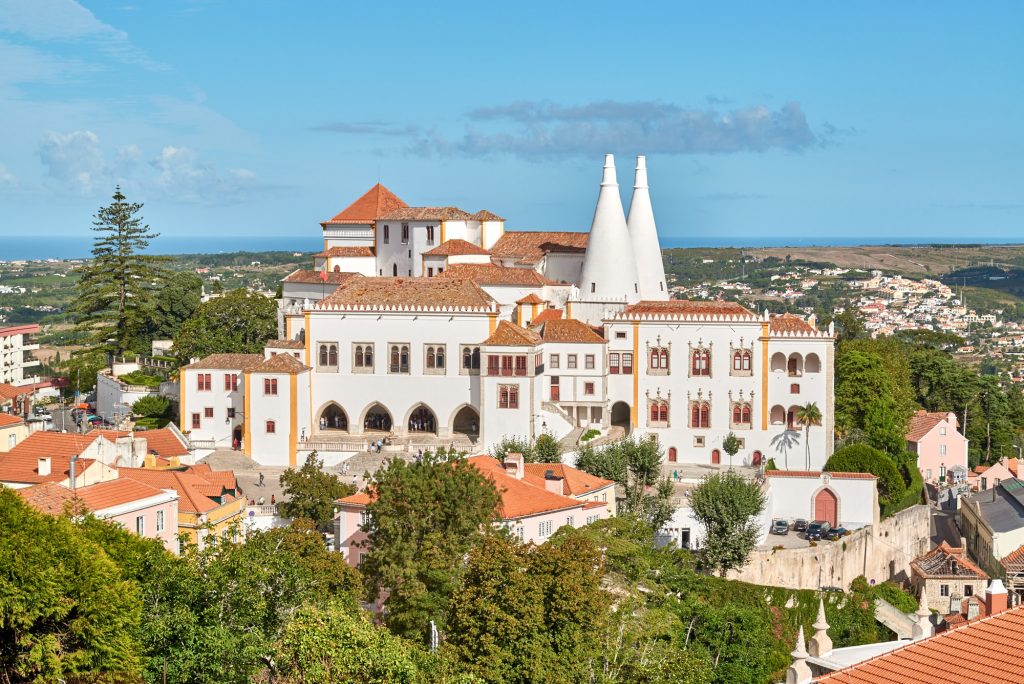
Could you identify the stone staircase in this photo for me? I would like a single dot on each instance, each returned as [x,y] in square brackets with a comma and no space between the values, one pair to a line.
[893,618]
[571,440]
[615,433]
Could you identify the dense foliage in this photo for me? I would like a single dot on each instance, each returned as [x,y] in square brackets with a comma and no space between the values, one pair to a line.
[240,322]
[862,458]
[636,465]
[728,507]
[310,492]
[544,449]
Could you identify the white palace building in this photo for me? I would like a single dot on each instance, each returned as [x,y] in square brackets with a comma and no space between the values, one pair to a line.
[432,325]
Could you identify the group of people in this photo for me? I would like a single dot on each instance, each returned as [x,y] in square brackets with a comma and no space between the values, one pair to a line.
[377,421]
[335,422]
[261,501]
[422,420]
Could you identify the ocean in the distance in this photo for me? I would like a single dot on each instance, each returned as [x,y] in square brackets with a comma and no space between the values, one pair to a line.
[75,246]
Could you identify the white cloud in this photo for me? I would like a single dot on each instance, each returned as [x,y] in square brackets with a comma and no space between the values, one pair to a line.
[74,159]
[184,176]
[6,177]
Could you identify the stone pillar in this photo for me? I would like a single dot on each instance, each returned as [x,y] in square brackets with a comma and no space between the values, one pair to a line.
[799,672]
[923,627]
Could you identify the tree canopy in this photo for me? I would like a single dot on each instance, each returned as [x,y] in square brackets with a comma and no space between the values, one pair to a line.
[240,322]
[310,492]
[863,458]
[727,506]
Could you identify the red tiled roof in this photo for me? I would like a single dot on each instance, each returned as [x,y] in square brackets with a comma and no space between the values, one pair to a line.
[511,335]
[817,473]
[788,322]
[493,274]
[484,215]
[286,344]
[281,363]
[687,308]
[425,214]
[115,493]
[47,497]
[518,497]
[377,201]
[357,499]
[1014,561]
[567,330]
[985,651]
[945,558]
[23,329]
[575,482]
[48,443]
[314,277]
[456,247]
[12,392]
[547,315]
[409,293]
[162,442]
[531,298]
[195,485]
[531,246]
[922,422]
[24,467]
[339,252]
[7,420]
[242,362]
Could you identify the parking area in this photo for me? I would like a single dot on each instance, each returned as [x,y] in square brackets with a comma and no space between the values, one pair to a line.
[793,540]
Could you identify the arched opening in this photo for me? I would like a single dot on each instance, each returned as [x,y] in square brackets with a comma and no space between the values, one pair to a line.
[333,418]
[778,415]
[756,458]
[621,416]
[778,362]
[394,270]
[422,420]
[795,365]
[467,422]
[236,438]
[826,507]
[337,269]
[716,457]
[673,455]
[791,418]
[812,364]
[377,419]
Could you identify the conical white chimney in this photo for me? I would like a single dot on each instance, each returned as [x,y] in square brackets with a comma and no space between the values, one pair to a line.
[609,268]
[643,233]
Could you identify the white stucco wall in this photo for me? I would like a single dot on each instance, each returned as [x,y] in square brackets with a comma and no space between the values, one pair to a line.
[793,497]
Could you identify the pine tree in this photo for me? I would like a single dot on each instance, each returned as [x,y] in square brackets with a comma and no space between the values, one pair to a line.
[115,293]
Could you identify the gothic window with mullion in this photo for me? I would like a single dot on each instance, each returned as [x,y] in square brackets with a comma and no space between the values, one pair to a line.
[327,356]
[658,357]
[470,360]
[398,358]
[740,415]
[741,360]
[700,361]
[435,359]
[700,414]
[362,357]
[657,412]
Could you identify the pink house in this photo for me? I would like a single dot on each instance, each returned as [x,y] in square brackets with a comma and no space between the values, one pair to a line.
[983,477]
[933,437]
[536,500]
[138,507]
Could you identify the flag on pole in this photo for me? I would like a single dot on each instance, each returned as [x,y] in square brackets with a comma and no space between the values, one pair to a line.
[323,275]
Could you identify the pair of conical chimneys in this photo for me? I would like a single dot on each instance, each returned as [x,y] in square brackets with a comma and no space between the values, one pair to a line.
[623,258]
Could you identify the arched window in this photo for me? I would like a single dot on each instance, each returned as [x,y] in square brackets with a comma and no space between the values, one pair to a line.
[368,356]
[323,354]
[741,414]
[395,358]
[394,270]
[737,361]
[659,413]
[701,362]
[737,413]
[359,356]
[430,357]
[658,361]
[664,358]
[332,355]
[746,360]
[467,358]
[440,357]
[672,455]
[655,359]
[654,413]
[405,359]
[746,414]
[663,410]
[700,414]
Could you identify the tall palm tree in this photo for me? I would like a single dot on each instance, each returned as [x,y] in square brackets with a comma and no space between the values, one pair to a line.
[807,415]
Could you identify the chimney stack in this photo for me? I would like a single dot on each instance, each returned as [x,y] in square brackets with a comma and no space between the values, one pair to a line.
[553,483]
[996,598]
[43,467]
[923,627]
[609,267]
[514,465]
[643,233]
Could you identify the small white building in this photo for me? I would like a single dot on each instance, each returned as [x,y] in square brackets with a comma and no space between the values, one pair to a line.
[847,500]
[17,361]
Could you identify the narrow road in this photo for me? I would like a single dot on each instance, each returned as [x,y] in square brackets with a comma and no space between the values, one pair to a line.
[944,528]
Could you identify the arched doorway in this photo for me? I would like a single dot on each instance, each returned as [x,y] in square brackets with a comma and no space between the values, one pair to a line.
[621,416]
[236,438]
[422,420]
[716,457]
[377,419]
[466,422]
[795,365]
[826,507]
[333,417]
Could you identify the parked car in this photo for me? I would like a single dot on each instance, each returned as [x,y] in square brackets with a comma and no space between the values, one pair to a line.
[40,410]
[816,529]
[835,533]
[799,525]
[780,526]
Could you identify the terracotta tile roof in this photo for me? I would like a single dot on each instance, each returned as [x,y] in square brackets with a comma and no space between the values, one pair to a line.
[281,363]
[115,493]
[48,443]
[788,322]
[286,344]
[48,497]
[531,246]
[531,298]
[686,308]
[518,497]
[425,214]
[7,420]
[243,362]
[511,335]
[922,422]
[567,330]
[195,486]
[12,392]
[24,467]
[817,474]
[456,247]
[314,277]
[357,499]
[983,651]
[377,201]
[575,482]
[484,215]
[1013,561]
[162,442]
[946,561]
[409,293]
[493,274]
[547,315]
[347,252]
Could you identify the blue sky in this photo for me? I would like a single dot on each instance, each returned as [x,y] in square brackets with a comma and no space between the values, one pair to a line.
[806,120]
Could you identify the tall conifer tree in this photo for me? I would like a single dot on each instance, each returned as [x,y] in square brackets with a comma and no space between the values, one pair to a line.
[115,294]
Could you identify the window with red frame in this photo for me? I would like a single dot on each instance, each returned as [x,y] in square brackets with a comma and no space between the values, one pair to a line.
[208,412]
[701,362]
[627,364]
[270,385]
[271,427]
[613,363]
[205,382]
[794,388]
[672,455]
[508,396]
[493,364]
[506,365]
[195,421]
[588,388]
[700,414]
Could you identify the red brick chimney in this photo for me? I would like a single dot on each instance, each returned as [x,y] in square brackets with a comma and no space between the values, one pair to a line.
[995,597]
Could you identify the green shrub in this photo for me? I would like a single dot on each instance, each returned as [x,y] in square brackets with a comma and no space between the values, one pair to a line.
[140,378]
[151,407]
[862,458]
[589,435]
[914,492]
